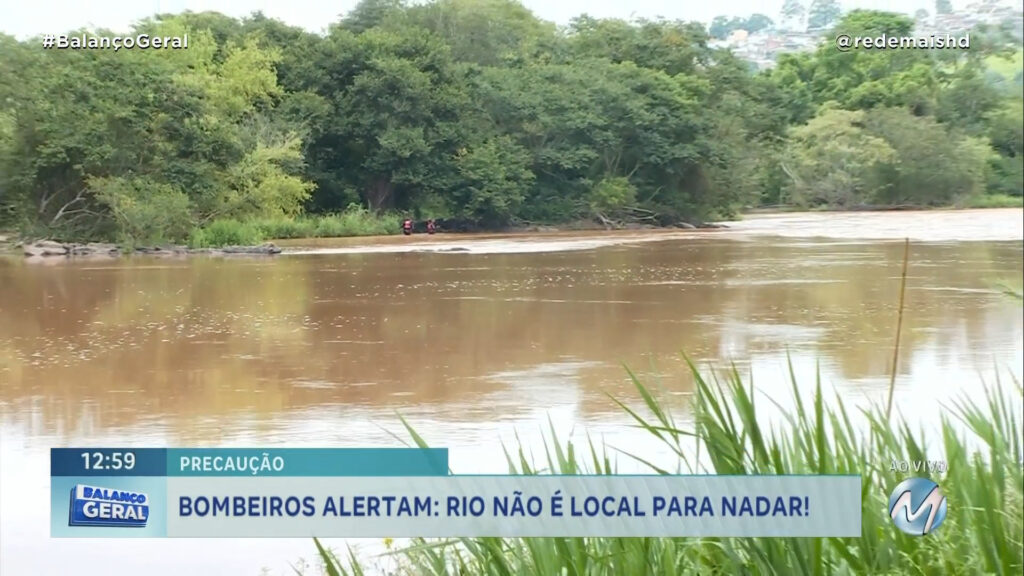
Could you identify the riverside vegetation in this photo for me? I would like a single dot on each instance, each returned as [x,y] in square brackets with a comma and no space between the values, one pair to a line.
[984,487]
[476,110]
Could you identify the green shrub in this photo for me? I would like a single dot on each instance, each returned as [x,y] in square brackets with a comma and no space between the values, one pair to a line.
[611,195]
[993,201]
[286,227]
[226,233]
[356,221]
[145,212]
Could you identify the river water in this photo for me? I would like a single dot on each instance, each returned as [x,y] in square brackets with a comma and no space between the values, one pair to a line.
[473,339]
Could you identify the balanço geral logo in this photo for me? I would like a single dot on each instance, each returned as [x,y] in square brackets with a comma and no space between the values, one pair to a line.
[111,507]
[917,506]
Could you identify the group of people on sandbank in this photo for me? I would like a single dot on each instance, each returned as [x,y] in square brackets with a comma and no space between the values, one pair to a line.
[407,226]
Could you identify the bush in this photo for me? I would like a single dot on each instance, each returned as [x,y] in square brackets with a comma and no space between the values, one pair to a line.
[226,233]
[611,195]
[993,201]
[356,221]
[286,227]
[145,212]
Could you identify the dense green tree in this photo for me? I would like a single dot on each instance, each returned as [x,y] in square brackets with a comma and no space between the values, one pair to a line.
[476,109]
[822,14]
[220,27]
[758,22]
[793,12]
[722,26]
[834,160]
[494,180]
[141,134]
[936,166]
[882,156]
[967,99]
[594,120]
[1006,134]
[487,32]
[369,14]
[863,79]
[399,116]
[674,47]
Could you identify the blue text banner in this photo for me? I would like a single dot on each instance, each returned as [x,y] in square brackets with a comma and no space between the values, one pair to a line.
[516,506]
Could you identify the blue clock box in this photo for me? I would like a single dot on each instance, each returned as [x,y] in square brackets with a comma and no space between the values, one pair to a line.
[99,506]
[108,462]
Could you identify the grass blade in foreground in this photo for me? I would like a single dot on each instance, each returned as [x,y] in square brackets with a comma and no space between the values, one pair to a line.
[981,535]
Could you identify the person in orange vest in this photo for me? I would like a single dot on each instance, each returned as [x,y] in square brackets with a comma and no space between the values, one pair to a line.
[431,226]
[407,226]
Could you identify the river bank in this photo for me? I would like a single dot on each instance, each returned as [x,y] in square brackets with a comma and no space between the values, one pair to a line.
[52,249]
[984,201]
[272,238]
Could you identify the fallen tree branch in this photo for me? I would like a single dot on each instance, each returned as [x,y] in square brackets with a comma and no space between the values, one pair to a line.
[44,201]
[608,223]
[638,209]
[78,198]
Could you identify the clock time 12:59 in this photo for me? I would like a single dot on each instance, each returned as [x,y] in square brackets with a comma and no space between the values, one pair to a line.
[109,461]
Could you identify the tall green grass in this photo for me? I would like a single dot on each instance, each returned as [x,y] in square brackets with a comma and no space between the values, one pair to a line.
[225,233]
[353,221]
[992,201]
[982,533]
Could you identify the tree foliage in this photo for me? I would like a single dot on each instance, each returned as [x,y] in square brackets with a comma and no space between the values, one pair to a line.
[722,26]
[834,160]
[793,13]
[476,109]
[822,14]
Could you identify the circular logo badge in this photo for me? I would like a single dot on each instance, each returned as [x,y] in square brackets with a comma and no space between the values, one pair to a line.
[917,506]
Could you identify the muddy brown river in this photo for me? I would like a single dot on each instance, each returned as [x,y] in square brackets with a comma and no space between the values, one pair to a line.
[472,339]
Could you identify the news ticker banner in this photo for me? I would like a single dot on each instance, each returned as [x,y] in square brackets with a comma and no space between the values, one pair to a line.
[408,492]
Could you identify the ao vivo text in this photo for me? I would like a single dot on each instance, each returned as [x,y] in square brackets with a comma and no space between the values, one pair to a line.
[929,466]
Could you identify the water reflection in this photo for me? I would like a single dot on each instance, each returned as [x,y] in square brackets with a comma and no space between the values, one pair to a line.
[198,341]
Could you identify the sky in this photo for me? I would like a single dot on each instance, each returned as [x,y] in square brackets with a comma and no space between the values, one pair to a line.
[24,19]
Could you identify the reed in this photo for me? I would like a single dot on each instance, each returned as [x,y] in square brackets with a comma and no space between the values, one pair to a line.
[899,328]
[981,441]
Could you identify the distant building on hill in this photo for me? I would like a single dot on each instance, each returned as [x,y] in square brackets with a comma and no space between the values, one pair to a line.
[763,48]
[737,37]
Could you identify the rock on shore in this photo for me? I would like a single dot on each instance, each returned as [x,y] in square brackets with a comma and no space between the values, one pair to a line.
[50,248]
[265,248]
